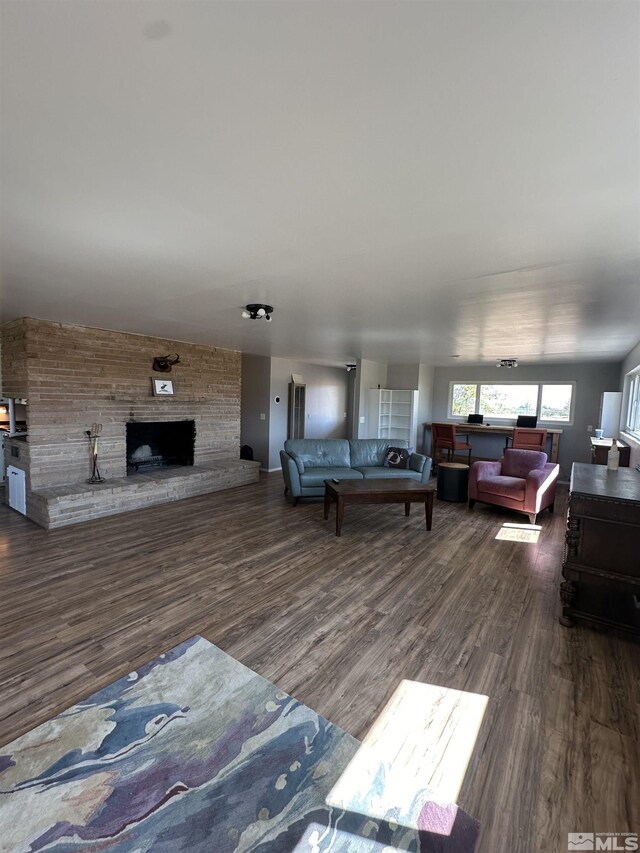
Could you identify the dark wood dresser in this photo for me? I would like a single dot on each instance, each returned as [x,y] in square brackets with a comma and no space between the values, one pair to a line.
[600,448]
[601,566]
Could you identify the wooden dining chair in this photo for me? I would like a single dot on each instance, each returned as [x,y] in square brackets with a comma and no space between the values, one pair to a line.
[444,438]
[529,439]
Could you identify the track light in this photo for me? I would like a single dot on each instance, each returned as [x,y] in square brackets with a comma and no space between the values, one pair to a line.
[507,362]
[350,367]
[256,311]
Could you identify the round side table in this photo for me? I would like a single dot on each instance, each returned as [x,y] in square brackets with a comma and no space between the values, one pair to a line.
[453,481]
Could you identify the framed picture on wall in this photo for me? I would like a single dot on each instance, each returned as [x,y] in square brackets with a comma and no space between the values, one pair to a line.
[162,387]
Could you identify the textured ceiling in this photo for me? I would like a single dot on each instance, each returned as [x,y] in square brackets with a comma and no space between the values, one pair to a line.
[402,181]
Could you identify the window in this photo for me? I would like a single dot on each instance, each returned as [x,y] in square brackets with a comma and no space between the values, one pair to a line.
[463,400]
[555,404]
[550,402]
[633,411]
[508,401]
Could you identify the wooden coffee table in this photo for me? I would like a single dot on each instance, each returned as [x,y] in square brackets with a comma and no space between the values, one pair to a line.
[399,490]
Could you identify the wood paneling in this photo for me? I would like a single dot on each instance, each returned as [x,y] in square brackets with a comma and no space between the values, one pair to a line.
[338,623]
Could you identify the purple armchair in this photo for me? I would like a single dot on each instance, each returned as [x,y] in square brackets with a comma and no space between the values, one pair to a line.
[522,480]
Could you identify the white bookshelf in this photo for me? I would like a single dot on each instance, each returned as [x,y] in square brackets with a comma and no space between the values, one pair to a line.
[393,414]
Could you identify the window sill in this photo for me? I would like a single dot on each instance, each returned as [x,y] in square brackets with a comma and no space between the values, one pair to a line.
[630,438]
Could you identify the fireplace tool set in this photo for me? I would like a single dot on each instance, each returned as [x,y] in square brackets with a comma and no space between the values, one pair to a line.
[94,434]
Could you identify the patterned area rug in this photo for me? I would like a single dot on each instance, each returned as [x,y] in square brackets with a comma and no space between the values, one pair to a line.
[194,752]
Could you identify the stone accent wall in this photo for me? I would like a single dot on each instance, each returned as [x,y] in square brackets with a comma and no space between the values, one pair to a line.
[14,359]
[75,376]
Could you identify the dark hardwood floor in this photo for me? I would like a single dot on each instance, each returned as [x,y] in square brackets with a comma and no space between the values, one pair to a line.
[338,623]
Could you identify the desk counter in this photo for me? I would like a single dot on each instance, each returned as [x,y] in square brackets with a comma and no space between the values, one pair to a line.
[488,429]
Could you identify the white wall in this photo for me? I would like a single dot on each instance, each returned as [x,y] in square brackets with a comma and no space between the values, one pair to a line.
[370,374]
[327,402]
[425,402]
[405,377]
[256,381]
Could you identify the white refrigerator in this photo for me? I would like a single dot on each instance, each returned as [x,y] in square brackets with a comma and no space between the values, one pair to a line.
[610,406]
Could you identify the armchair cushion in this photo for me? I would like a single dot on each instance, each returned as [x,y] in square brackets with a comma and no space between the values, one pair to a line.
[505,487]
[518,463]
[481,471]
[523,480]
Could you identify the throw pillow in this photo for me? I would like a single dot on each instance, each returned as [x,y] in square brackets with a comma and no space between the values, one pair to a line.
[397,457]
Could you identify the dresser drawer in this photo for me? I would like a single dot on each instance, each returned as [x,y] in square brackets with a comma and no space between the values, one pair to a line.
[615,605]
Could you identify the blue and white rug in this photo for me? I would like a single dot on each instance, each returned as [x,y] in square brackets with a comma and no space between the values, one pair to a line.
[193,752]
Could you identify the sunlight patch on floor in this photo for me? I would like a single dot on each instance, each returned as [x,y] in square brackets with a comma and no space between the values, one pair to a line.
[416,752]
[519,532]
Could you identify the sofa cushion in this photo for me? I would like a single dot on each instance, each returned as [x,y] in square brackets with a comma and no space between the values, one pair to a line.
[379,472]
[505,487]
[372,451]
[518,463]
[298,461]
[417,462]
[398,457]
[319,452]
[313,477]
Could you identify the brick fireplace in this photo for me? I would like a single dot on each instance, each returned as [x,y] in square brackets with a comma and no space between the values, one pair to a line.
[74,377]
[153,444]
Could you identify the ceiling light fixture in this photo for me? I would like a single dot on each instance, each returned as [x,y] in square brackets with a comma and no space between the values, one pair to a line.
[507,362]
[255,311]
[350,367]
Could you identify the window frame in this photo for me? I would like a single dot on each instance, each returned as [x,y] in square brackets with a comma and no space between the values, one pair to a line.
[508,421]
[632,420]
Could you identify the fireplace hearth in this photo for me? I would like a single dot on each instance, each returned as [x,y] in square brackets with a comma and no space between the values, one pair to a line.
[152,444]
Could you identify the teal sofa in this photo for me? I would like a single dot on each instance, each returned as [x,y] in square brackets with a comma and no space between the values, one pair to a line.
[308,462]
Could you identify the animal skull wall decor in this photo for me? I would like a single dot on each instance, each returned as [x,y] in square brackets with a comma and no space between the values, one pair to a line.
[164,363]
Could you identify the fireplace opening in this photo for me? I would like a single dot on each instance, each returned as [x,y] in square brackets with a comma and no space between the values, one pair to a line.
[151,444]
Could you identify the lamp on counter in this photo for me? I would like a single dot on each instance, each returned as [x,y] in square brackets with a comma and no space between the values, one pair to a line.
[507,362]
[256,311]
